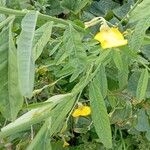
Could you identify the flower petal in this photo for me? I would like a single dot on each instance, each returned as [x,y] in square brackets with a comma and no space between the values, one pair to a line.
[86,110]
[76,113]
[82,111]
[110,37]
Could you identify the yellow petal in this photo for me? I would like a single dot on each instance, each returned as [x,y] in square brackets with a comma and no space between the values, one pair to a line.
[86,110]
[82,111]
[110,37]
[76,113]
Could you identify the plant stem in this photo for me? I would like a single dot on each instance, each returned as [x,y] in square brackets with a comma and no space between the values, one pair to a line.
[19,13]
[145,65]
[32,133]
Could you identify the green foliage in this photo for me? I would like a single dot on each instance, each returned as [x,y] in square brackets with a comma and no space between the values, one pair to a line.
[99,115]
[35,116]
[141,11]
[25,55]
[50,65]
[11,99]
[41,140]
[137,37]
[102,7]
[41,38]
[75,5]
[142,85]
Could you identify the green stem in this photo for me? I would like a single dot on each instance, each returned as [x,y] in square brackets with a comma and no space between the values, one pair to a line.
[122,140]
[19,13]
[145,65]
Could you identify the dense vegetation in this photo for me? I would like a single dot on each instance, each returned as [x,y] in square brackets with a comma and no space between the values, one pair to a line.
[75,74]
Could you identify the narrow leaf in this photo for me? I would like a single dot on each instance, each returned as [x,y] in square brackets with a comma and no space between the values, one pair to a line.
[57,118]
[41,140]
[75,5]
[141,11]
[41,38]
[25,56]
[121,62]
[142,85]
[118,59]
[10,98]
[34,116]
[101,81]
[137,37]
[99,115]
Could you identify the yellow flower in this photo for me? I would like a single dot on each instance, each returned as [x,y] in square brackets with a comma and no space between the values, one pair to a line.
[65,143]
[82,111]
[110,37]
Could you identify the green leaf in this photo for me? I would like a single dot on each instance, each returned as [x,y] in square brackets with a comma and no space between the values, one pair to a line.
[55,48]
[41,140]
[101,81]
[121,11]
[142,122]
[102,7]
[133,82]
[41,38]
[141,11]
[73,45]
[122,113]
[121,62]
[57,118]
[34,116]
[137,38]
[145,50]
[54,8]
[142,85]
[118,59]
[99,115]
[74,50]
[76,73]
[74,5]
[25,57]
[11,99]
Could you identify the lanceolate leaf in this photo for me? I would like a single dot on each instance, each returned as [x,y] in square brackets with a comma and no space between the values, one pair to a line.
[137,37]
[42,36]
[118,59]
[57,118]
[74,5]
[142,121]
[74,49]
[141,11]
[73,45]
[99,115]
[37,115]
[121,62]
[42,140]
[142,85]
[25,56]
[52,125]
[10,98]
[101,81]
